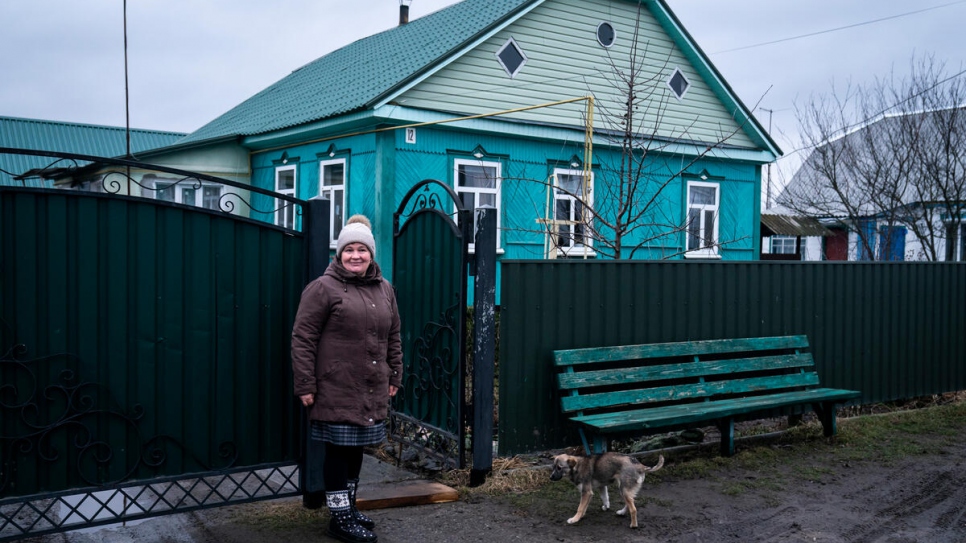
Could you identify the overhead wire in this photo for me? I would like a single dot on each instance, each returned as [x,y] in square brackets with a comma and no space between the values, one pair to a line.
[846,27]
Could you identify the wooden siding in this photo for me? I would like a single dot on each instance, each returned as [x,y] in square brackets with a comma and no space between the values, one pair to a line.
[526,165]
[565,61]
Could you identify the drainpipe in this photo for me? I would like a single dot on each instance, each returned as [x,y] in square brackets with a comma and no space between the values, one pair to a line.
[404,11]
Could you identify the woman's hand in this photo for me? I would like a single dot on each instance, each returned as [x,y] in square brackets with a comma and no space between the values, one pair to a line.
[307,399]
[393,390]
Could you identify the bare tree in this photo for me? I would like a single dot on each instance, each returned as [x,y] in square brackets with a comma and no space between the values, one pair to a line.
[633,200]
[886,158]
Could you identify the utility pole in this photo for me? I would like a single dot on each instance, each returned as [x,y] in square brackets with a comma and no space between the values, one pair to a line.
[768,179]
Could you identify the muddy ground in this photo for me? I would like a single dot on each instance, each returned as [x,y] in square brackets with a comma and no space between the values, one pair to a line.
[800,492]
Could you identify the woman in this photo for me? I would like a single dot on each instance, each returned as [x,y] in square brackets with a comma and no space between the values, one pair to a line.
[347,364]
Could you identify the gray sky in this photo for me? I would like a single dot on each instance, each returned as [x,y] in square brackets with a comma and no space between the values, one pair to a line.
[192,60]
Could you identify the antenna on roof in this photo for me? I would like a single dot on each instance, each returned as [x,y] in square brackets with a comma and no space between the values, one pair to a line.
[127,105]
[404,11]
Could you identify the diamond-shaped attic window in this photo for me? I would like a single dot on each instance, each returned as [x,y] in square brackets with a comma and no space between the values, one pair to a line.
[511,57]
[678,83]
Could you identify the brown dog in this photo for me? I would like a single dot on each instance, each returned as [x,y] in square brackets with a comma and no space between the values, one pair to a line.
[598,471]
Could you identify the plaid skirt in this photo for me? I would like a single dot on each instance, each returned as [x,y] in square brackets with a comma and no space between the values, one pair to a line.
[348,435]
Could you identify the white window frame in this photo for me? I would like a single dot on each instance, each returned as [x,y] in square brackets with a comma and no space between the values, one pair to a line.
[510,42]
[286,210]
[587,248]
[782,242]
[336,205]
[188,184]
[477,191]
[687,80]
[702,251]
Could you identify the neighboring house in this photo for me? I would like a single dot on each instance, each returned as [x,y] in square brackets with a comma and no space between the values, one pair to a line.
[785,235]
[82,139]
[893,189]
[343,126]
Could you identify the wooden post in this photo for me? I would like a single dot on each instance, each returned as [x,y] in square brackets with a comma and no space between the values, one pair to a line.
[484,343]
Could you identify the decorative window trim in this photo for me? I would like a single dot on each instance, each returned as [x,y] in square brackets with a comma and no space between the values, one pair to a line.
[286,212]
[613,38]
[477,191]
[687,81]
[336,205]
[702,251]
[587,248]
[510,42]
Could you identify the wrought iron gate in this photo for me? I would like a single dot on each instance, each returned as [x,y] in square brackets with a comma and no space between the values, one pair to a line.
[430,260]
[144,365]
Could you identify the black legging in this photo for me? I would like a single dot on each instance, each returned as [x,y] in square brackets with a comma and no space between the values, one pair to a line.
[340,465]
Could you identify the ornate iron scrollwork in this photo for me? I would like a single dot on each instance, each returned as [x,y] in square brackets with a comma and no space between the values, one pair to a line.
[63,421]
[115,178]
[431,376]
[67,419]
[425,198]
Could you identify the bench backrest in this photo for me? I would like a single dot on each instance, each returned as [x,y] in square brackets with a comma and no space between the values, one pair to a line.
[694,371]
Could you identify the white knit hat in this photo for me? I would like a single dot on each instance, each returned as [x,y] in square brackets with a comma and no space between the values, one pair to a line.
[357,229]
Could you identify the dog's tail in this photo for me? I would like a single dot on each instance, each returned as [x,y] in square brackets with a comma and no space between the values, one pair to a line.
[659,465]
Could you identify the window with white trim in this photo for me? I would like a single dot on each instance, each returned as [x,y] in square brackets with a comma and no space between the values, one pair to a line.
[783,245]
[188,192]
[285,184]
[679,84]
[478,184]
[702,219]
[511,57]
[571,197]
[332,186]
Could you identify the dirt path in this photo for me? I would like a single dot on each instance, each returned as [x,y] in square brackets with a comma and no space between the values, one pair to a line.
[808,495]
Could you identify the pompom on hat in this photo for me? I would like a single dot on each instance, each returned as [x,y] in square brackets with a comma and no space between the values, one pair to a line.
[357,229]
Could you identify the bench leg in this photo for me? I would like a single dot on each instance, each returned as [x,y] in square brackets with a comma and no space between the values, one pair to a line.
[583,441]
[600,443]
[826,414]
[727,429]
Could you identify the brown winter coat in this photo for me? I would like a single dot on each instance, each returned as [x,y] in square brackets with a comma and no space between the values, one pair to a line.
[345,346]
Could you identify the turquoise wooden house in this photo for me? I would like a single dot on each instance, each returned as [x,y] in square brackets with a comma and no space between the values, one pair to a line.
[517,104]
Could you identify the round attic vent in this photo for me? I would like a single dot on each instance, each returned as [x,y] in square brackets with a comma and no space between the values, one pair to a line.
[606,34]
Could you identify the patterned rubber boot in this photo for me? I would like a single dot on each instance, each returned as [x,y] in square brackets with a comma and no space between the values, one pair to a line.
[363,520]
[343,525]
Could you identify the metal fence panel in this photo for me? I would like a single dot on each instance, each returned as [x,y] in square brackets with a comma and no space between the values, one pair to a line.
[892,330]
[140,340]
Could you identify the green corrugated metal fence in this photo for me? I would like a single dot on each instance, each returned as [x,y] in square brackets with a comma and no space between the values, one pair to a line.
[892,330]
[155,340]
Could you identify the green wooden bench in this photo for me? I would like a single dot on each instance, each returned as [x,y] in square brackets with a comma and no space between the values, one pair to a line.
[667,386]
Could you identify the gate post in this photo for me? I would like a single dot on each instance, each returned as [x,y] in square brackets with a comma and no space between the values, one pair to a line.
[315,224]
[484,343]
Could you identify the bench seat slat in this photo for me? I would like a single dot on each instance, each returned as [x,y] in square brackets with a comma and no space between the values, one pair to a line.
[633,376]
[683,414]
[688,348]
[686,392]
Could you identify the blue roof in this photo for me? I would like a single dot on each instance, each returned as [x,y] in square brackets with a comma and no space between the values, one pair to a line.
[83,139]
[360,74]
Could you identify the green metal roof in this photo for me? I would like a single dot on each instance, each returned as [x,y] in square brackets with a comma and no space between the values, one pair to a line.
[84,139]
[359,74]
